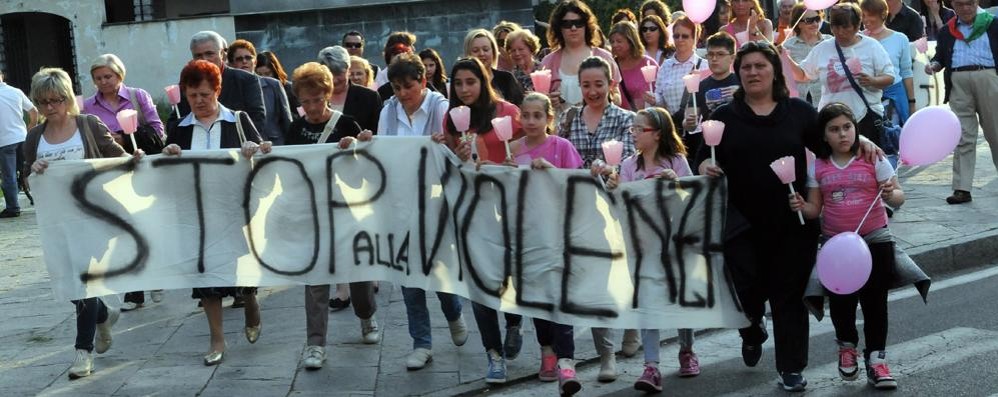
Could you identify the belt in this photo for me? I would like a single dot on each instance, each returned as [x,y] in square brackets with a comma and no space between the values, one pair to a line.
[972,68]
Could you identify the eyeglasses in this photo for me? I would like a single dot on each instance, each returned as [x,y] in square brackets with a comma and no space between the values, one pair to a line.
[714,55]
[677,36]
[53,102]
[244,58]
[353,45]
[645,29]
[572,23]
[637,129]
[808,21]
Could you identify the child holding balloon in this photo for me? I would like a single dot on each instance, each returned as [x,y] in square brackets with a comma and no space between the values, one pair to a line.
[841,188]
[660,154]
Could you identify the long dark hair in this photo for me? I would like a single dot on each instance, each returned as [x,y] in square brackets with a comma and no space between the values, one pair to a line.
[664,41]
[439,78]
[484,109]
[828,113]
[780,90]
[669,143]
[269,59]
[594,36]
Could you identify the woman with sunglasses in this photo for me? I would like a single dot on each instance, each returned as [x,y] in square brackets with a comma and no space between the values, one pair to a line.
[806,36]
[574,35]
[655,38]
[670,92]
[748,16]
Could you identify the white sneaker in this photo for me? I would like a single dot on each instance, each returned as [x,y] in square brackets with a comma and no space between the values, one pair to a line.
[313,357]
[458,331]
[369,331]
[129,306]
[82,366]
[607,367]
[103,341]
[631,343]
[418,358]
[156,295]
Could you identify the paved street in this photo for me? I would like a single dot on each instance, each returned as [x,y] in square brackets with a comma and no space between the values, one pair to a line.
[948,347]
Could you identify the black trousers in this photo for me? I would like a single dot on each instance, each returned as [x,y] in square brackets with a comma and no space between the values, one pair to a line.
[872,298]
[764,268]
[89,313]
[560,337]
[135,297]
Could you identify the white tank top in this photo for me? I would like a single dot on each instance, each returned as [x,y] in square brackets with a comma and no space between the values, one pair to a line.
[570,90]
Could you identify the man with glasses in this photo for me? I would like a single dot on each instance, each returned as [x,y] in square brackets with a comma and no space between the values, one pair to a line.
[716,90]
[353,41]
[13,105]
[240,89]
[967,48]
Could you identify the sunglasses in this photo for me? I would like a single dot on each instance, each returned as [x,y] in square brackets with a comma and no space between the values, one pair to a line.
[808,21]
[645,29]
[353,45]
[572,23]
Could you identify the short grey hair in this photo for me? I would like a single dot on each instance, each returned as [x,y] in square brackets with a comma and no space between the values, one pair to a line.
[208,35]
[109,61]
[336,58]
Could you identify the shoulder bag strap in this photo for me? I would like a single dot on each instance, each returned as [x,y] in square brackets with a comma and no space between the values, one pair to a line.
[566,124]
[330,126]
[623,90]
[852,81]
[239,127]
[138,108]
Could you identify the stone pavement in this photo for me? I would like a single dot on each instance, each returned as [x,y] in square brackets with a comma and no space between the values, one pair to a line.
[157,349]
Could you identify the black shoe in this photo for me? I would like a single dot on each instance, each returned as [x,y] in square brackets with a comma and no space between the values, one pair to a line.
[792,381]
[337,304]
[238,302]
[751,354]
[10,213]
[959,197]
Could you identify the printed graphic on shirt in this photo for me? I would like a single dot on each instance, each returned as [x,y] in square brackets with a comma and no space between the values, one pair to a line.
[62,153]
[837,80]
[716,97]
[847,187]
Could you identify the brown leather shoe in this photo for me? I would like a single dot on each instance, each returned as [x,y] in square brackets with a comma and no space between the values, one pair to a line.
[959,197]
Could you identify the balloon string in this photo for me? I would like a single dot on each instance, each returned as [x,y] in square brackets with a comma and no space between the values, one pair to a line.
[874,202]
[794,25]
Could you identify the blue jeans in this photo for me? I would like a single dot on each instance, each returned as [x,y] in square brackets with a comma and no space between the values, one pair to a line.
[8,175]
[488,325]
[419,316]
[899,95]
[89,313]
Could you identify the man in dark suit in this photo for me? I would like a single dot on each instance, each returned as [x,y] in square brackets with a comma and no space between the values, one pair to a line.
[240,89]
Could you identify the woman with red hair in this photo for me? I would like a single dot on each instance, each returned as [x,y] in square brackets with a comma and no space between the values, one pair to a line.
[212,126]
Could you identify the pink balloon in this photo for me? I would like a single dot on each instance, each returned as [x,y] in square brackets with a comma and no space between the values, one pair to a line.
[844,263]
[542,81]
[929,135]
[698,11]
[503,126]
[784,167]
[713,130]
[173,94]
[650,72]
[613,150]
[819,4]
[461,116]
[128,119]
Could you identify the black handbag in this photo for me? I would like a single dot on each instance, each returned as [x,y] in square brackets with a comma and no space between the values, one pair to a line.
[146,137]
[890,134]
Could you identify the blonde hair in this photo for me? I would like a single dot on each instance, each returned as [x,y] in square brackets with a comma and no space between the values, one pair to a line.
[476,33]
[366,66]
[630,32]
[312,76]
[54,81]
[548,108]
[109,61]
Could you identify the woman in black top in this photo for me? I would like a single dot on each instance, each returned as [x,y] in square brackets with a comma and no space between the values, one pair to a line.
[479,43]
[313,86]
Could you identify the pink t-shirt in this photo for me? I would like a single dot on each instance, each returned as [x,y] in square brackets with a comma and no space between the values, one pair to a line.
[634,82]
[629,168]
[556,150]
[846,193]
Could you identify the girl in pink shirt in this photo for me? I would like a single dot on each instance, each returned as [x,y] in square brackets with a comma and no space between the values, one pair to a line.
[660,154]
[841,188]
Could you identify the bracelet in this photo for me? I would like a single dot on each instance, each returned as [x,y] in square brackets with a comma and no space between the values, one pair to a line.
[911,101]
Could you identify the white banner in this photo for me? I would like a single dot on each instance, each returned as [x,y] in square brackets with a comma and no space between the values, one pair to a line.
[550,244]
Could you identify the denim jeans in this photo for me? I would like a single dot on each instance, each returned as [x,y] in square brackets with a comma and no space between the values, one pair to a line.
[89,313]
[8,175]
[419,316]
[488,325]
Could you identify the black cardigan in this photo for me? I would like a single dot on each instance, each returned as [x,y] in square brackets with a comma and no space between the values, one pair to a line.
[364,105]
[944,52]
[230,136]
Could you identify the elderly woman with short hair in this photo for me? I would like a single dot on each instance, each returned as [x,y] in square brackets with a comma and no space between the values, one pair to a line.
[212,126]
[68,135]
[361,103]
[522,47]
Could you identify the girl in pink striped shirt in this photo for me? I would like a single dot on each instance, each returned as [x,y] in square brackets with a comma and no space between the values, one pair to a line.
[841,187]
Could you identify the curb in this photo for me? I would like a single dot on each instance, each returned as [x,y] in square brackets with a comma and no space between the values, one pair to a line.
[936,260]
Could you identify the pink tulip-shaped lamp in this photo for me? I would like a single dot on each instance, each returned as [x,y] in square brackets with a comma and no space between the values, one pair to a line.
[128,119]
[784,167]
[542,81]
[650,73]
[692,82]
[461,117]
[301,111]
[79,103]
[613,152]
[173,95]
[713,130]
[503,127]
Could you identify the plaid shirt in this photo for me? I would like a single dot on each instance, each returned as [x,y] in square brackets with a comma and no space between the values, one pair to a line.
[669,87]
[614,124]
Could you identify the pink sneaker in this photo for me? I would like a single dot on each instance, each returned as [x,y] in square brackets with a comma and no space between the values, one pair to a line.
[689,365]
[549,368]
[567,383]
[650,381]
